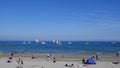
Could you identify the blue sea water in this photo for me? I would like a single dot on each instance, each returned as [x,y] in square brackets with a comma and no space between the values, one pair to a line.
[76,47]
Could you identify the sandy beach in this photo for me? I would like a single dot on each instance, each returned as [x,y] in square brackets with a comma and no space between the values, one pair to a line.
[41,61]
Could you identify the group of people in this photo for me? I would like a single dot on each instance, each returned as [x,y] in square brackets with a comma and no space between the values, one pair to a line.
[19,61]
[10,58]
[96,57]
[49,56]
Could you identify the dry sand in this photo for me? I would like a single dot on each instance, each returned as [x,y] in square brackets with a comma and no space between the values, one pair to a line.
[42,61]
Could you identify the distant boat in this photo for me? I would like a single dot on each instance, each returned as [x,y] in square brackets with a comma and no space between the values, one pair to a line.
[23,42]
[43,42]
[114,42]
[57,42]
[29,42]
[36,40]
[86,43]
[69,42]
[54,41]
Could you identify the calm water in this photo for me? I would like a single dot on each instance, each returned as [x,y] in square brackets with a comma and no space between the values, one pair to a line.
[76,47]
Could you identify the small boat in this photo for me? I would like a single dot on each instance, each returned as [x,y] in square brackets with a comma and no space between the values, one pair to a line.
[54,41]
[29,42]
[86,43]
[36,40]
[57,42]
[23,42]
[69,42]
[43,42]
[114,42]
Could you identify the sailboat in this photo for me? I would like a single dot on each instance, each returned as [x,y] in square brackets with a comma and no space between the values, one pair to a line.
[58,42]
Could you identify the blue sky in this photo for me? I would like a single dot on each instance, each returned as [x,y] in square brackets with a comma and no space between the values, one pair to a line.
[84,20]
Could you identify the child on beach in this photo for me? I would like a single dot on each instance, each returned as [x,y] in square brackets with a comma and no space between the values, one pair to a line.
[54,60]
[117,54]
[49,56]
[32,57]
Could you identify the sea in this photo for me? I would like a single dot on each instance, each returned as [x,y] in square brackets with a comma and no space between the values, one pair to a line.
[64,47]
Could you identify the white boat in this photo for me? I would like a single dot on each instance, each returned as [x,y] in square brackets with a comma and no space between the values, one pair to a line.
[58,42]
[43,42]
[36,40]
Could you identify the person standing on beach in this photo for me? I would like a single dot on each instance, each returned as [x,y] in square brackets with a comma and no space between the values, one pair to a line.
[96,56]
[62,56]
[20,62]
[49,56]
[117,54]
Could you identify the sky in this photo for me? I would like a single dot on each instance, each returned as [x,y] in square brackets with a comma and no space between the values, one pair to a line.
[78,20]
